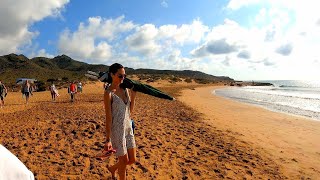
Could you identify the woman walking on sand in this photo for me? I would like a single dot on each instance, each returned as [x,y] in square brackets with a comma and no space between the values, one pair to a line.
[119,104]
[54,92]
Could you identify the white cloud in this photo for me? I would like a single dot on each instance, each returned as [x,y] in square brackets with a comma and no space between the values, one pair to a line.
[186,33]
[226,61]
[91,41]
[164,4]
[244,54]
[144,40]
[260,48]
[268,62]
[237,4]
[17,16]
[270,34]
[283,37]
[232,32]
[150,40]
[257,46]
[285,49]
[43,53]
[174,60]
[215,47]
[277,40]
[226,38]
[76,44]
[145,46]
[128,60]
[304,14]
[102,51]
[178,62]
[105,28]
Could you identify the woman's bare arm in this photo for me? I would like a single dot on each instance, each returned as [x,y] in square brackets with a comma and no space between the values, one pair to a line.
[107,107]
[132,99]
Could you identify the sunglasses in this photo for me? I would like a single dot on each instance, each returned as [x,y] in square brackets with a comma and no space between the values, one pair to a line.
[120,76]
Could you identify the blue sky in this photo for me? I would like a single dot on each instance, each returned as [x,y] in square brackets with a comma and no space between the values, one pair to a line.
[242,39]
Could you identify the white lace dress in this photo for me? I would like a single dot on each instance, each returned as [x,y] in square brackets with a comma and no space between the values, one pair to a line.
[122,137]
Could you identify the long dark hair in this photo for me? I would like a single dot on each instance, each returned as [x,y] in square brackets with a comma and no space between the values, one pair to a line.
[113,69]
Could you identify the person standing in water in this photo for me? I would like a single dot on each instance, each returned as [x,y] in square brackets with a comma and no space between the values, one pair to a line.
[119,103]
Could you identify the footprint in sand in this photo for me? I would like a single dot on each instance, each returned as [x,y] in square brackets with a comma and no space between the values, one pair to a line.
[147,156]
[143,168]
[155,166]
[189,161]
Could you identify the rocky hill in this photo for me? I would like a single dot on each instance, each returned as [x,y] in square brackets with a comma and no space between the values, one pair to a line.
[14,66]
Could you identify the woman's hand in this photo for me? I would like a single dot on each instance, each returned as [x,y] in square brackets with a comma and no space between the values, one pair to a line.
[107,146]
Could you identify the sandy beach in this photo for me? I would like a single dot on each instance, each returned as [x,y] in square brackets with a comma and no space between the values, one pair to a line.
[198,136]
[291,141]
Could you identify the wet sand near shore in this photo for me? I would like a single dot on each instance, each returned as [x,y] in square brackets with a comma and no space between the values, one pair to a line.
[291,141]
[58,140]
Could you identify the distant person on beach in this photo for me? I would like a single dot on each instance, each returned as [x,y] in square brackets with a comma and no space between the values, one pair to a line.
[54,92]
[79,87]
[72,90]
[26,90]
[3,93]
[119,105]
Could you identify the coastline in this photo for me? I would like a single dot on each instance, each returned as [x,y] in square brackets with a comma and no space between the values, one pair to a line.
[292,141]
[287,112]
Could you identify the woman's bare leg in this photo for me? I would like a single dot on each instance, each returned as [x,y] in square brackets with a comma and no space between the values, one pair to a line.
[113,169]
[131,156]
[123,161]
[130,159]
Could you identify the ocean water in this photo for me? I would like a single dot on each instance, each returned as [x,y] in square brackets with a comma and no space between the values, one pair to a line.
[294,97]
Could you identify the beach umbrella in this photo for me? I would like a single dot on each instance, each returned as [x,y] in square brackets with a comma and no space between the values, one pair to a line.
[23,80]
[131,84]
[145,88]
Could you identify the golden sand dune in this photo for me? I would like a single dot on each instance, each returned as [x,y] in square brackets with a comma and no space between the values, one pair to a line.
[58,140]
